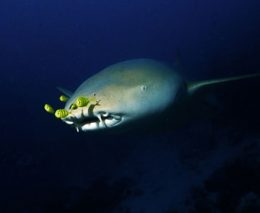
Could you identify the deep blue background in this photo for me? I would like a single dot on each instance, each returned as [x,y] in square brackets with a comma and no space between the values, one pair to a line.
[44,44]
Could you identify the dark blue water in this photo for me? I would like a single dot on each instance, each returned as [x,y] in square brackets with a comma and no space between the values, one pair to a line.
[208,165]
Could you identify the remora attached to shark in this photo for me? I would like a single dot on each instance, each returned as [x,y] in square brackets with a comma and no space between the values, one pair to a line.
[127,94]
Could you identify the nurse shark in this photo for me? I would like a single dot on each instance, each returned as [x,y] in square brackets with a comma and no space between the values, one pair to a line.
[131,93]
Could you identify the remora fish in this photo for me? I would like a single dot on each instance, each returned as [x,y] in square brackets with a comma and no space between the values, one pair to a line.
[130,93]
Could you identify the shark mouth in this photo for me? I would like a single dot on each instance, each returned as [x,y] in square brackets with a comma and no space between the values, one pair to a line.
[93,122]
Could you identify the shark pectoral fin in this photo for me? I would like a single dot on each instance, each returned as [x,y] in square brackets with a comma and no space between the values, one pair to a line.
[65,91]
[196,86]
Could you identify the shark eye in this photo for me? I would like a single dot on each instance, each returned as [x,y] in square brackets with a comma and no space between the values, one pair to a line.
[143,87]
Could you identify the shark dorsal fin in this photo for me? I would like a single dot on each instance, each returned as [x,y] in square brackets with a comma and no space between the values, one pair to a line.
[193,87]
[65,91]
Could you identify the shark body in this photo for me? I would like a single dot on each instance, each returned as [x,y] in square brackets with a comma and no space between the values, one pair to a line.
[130,93]
[126,93]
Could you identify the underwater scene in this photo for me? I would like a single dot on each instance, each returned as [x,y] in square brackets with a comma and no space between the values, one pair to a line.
[130,106]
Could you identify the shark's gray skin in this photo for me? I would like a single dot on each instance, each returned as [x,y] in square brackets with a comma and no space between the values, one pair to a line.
[129,93]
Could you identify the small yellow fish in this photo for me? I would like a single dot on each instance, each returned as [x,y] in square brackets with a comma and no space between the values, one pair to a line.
[61,113]
[63,98]
[73,106]
[48,108]
[81,101]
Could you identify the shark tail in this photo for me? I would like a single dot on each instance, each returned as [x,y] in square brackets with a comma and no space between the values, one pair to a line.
[194,87]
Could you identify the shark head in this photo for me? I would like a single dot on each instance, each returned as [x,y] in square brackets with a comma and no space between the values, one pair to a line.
[123,93]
